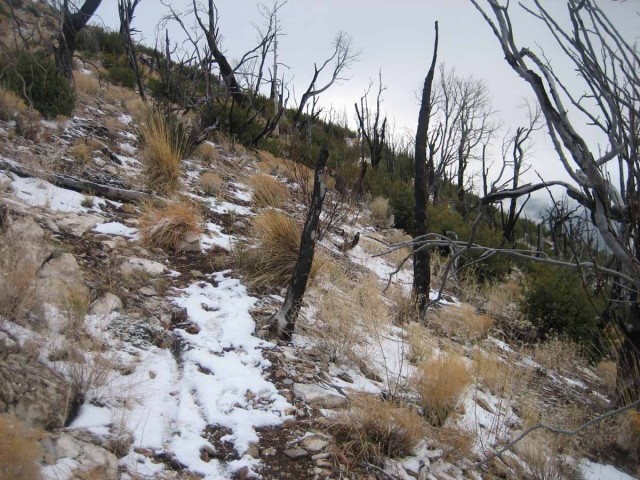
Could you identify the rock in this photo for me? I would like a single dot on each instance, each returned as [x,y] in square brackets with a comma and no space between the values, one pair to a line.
[287,381]
[148,292]
[243,473]
[102,463]
[295,453]
[134,264]
[7,345]
[193,329]
[269,452]
[314,444]
[345,377]
[324,463]
[99,162]
[197,274]
[58,277]
[32,392]
[76,224]
[106,304]
[254,451]
[319,396]
[5,183]
[280,374]
[111,170]
[30,238]
[128,208]
[190,243]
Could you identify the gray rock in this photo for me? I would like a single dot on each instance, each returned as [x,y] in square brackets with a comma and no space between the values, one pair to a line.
[76,224]
[5,183]
[134,264]
[106,304]
[58,277]
[32,392]
[99,162]
[30,238]
[102,463]
[148,292]
[254,451]
[295,453]
[314,444]
[319,396]
[269,452]
[190,243]
[7,345]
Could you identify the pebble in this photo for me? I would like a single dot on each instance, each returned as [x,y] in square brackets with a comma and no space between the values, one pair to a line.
[295,453]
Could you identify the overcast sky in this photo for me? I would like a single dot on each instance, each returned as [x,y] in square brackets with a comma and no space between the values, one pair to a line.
[397,37]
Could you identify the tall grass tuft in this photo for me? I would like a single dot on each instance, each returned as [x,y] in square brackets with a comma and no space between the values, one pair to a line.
[166,143]
[167,226]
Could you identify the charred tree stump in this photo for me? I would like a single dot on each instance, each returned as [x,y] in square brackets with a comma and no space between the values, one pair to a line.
[284,321]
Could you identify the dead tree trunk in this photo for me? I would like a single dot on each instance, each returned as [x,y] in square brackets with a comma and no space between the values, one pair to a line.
[284,321]
[72,23]
[126,10]
[421,258]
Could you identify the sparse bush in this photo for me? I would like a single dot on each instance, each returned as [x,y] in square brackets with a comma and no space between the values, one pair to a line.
[29,126]
[380,212]
[421,344]
[372,429]
[75,305]
[403,307]
[36,79]
[268,192]
[540,453]
[122,75]
[556,352]
[207,153]
[556,302]
[19,450]
[271,262]
[440,383]
[166,227]
[80,151]
[211,183]
[166,142]
[463,322]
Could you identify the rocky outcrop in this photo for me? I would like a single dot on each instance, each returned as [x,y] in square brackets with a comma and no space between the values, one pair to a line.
[58,277]
[34,393]
[80,457]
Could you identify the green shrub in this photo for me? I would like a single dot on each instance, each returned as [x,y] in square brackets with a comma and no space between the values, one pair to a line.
[35,78]
[557,303]
[94,39]
[121,75]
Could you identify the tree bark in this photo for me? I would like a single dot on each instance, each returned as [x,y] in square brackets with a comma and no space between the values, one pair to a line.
[421,257]
[71,26]
[126,10]
[284,321]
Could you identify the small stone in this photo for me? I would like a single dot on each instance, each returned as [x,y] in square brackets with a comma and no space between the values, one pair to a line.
[296,453]
[148,292]
[193,329]
[345,377]
[197,274]
[482,403]
[190,243]
[314,444]
[287,381]
[280,373]
[319,396]
[111,170]
[243,473]
[320,456]
[269,452]
[146,452]
[99,162]
[206,453]
[254,451]
[134,264]
[323,462]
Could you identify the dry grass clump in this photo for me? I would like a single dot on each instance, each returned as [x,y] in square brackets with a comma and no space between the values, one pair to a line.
[272,261]
[207,153]
[496,374]
[380,212]
[540,452]
[19,450]
[403,307]
[82,150]
[211,184]
[118,95]
[440,383]
[10,104]
[269,164]
[558,352]
[372,429]
[85,84]
[167,226]
[397,256]
[421,344]
[607,370]
[75,306]
[461,321]
[165,145]
[17,280]
[268,192]
[91,375]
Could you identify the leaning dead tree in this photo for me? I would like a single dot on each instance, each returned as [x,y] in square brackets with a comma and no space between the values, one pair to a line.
[284,321]
[340,60]
[126,10]
[421,257]
[608,108]
[73,21]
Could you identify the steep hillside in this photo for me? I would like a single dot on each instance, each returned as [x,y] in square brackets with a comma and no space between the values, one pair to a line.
[133,333]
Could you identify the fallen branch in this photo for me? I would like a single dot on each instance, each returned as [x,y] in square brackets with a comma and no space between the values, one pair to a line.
[553,429]
[77,184]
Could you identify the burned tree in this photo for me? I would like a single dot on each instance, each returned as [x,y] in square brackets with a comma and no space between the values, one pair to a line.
[421,257]
[126,10]
[341,60]
[284,321]
[372,131]
[72,24]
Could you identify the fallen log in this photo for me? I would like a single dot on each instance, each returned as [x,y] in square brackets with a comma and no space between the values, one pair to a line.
[77,184]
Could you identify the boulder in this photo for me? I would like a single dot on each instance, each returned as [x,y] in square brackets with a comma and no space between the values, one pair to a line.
[33,392]
[59,276]
[190,243]
[76,224]
[318,396]
[5,182]
[28,238]
[87,457]
[106,304]
[134,264]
